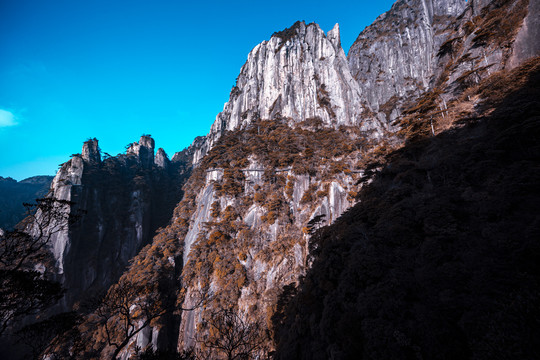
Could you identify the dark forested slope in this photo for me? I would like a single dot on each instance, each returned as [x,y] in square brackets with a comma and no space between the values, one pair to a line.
[439,260]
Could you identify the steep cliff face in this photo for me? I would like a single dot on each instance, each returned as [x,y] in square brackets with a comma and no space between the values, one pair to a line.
[248,231]
[300,73]
[527,44]
[440,47]
[124,199]
[414,64]
[482,41]
[477,45]
[395,57]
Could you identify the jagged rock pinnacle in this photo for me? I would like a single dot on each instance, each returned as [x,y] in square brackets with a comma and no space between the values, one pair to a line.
[300,73]
[91,152]
[162,160]
[144,150]
[335,37]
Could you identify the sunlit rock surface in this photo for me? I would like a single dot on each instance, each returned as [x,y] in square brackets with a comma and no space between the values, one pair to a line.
[300,73]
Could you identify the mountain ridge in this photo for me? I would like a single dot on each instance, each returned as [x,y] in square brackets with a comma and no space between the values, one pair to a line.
[298,74]
[288,155]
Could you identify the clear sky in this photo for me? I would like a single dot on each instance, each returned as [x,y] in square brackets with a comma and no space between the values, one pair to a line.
[115,69]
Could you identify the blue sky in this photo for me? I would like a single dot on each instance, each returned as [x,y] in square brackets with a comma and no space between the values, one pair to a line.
[71,70]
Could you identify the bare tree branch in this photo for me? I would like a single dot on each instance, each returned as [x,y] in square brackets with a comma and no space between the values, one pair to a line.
[24,290]
[230,336]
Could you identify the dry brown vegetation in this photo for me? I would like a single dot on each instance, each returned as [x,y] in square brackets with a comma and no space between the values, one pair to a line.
[499,22]
[217,259]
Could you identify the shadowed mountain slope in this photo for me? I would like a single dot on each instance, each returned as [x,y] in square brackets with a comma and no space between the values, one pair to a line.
[439,260]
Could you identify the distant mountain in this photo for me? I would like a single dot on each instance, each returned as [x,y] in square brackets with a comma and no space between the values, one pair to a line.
[14,193]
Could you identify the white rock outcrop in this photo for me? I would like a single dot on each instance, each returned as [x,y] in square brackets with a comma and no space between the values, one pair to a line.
[300,73]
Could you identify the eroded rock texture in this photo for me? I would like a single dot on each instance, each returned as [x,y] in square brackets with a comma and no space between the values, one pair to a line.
[394,58]
[124,199]
[300,73]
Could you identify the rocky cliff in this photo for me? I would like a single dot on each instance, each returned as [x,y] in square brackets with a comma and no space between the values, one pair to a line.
[439,259]
[482,41]
[439,48]
[304,130]
[415,63]
[415,47]
[300,73]
[124,199]
[248,230]
[395,58]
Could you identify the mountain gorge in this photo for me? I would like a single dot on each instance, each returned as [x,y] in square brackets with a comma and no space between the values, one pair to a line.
[374,205]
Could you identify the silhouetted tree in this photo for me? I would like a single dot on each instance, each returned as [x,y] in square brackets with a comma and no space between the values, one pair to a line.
[125,310]
[315,223]
[233,337]
[39,336]
[23,247]
[129,307]
[23,289]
